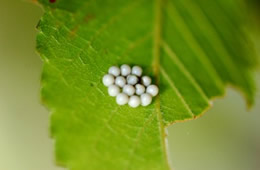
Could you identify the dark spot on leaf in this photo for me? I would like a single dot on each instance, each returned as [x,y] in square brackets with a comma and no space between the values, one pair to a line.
[91,84]
[106,51]
[73,31]
[38,24]
[89,17]
[52,1]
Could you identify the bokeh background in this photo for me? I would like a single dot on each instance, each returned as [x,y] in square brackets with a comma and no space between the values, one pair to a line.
[227,137]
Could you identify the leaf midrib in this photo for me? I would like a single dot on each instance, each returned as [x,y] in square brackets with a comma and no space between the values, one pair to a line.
[158,4]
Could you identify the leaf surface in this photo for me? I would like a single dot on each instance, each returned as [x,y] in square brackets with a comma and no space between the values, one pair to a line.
[192,49]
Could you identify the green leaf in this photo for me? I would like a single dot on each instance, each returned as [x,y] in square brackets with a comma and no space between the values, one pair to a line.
[192,49]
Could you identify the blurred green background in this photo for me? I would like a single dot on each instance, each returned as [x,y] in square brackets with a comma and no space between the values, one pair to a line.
[226,138]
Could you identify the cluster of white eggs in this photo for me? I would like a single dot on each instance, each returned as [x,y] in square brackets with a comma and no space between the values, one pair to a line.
[129,86]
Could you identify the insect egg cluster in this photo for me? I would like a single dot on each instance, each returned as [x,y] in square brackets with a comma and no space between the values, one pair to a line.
[129,86]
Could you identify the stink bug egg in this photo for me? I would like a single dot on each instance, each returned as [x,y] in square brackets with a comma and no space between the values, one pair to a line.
[129,90]
[114,70]
[125,70]
[132,79]
[108,80]
[152,90]
[136,70]
[113,90]
[122,99]
[139,89]
[146,99]
[120,81]
[146,80]
[134,101]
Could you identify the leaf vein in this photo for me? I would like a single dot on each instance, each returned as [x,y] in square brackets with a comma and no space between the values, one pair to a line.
[171,83]
[174,58]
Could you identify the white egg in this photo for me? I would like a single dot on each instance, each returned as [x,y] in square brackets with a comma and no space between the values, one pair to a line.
[129,90]
[132,79]
[120,81]
[137,70]
[134,101]
[152,89]
[125,70]
[114,70]
[146,99]
[113,90]
[146,80]
[139,89]
[122,99]
[108,79]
